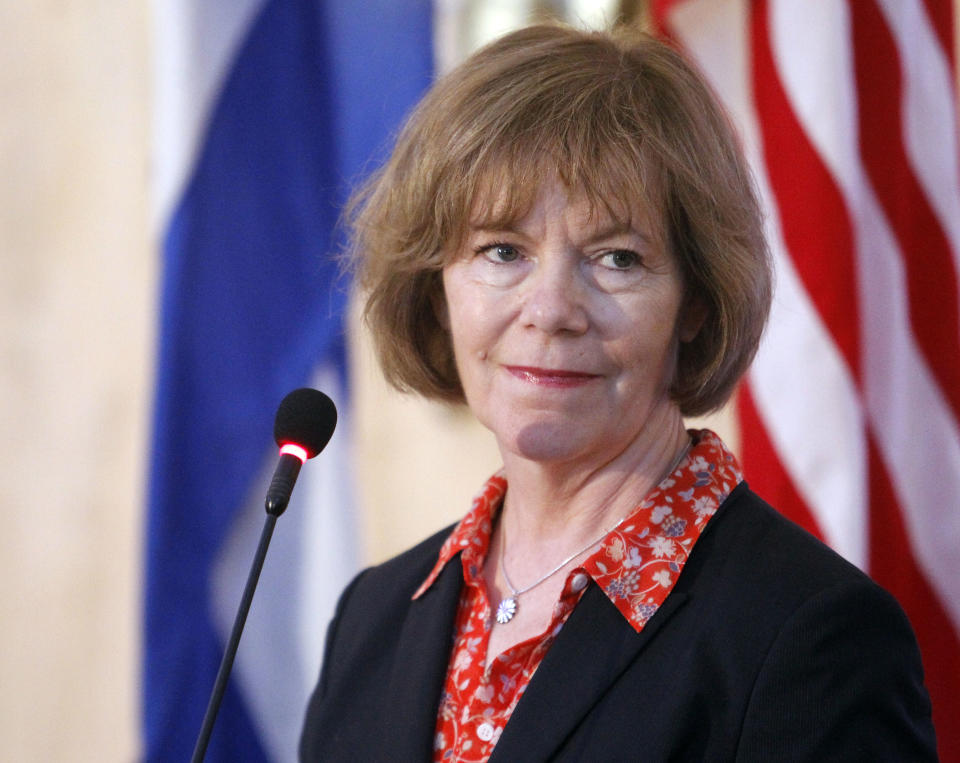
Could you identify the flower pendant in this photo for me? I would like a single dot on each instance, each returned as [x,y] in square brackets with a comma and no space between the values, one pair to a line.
[506,609]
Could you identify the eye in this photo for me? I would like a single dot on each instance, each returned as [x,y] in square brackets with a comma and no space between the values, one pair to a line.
[619,259]
[499,252]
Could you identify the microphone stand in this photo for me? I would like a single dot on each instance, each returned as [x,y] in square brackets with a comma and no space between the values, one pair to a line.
[304,424]
[226,664]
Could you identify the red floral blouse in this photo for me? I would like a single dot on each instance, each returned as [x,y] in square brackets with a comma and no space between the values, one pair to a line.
[636,565]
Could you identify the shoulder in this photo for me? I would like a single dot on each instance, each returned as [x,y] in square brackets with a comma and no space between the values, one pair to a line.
[395,580]
[827,642]
[405,572]
[768,572]
[363,647]
[750,540]
[753,572]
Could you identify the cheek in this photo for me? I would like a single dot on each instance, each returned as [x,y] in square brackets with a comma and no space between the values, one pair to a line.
[649,347]
[476,312]
[463,343]
[471,336]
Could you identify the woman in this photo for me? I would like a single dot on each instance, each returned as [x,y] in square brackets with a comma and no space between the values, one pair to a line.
[566,238]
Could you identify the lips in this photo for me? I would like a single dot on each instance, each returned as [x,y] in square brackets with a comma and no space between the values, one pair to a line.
[551,377]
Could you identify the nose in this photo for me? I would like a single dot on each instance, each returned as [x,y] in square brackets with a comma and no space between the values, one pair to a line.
[554,298]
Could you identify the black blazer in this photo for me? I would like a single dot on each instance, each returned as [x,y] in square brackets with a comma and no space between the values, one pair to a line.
[770,647]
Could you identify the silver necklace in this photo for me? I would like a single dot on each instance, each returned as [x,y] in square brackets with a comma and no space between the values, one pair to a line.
[507,607]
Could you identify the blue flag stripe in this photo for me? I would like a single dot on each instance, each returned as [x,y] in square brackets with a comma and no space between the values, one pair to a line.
[252,300]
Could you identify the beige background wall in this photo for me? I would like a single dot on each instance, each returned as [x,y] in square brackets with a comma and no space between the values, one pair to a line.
[78,286]
[77,290]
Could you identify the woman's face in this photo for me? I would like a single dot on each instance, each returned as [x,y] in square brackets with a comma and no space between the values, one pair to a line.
[565,329]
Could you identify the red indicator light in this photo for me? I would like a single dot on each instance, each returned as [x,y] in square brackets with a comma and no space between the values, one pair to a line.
[294,450]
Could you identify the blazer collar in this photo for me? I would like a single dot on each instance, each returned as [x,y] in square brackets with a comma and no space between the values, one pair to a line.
[569,682]
[573,677]
[423,650]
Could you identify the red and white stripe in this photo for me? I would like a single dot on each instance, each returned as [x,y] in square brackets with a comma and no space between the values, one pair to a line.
[851,412]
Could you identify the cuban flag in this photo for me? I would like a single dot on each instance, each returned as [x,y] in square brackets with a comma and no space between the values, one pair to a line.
[268,111]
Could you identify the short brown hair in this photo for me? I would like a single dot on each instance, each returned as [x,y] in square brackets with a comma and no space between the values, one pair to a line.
[618,115]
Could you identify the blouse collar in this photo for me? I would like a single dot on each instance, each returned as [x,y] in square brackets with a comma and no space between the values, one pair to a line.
[638,562]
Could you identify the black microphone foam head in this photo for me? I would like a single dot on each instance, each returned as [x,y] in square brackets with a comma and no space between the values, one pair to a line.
[307,418]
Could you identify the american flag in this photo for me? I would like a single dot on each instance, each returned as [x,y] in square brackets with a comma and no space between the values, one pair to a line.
[850,415]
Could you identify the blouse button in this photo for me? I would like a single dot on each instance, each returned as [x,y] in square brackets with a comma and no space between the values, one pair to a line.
[579,582]
[485,732]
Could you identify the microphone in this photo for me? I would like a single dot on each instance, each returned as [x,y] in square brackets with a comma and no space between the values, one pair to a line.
[304,424]
[302,428]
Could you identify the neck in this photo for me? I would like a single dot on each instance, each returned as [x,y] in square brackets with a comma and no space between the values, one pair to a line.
[551,509]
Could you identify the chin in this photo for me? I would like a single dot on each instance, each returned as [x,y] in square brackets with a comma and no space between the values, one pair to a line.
[548,441]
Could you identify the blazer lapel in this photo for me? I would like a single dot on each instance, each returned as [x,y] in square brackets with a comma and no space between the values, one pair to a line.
[592,650]
[423,652]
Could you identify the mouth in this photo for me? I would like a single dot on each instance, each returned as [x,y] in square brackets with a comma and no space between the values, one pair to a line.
[551,377]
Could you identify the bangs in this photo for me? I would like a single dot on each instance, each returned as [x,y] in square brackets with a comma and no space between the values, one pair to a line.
[588,116]
[617,182]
